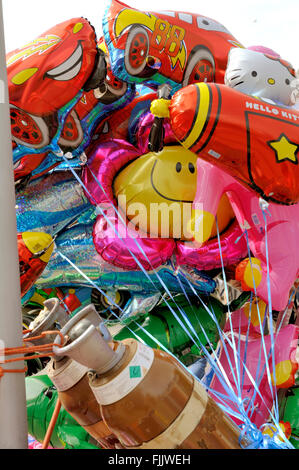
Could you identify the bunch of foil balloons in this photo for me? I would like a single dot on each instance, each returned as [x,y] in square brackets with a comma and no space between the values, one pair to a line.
[157,178]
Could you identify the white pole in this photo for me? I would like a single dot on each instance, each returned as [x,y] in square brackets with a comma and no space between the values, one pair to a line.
[13,413]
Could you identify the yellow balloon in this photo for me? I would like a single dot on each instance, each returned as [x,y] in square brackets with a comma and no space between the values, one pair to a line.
[156,192]
[256,311]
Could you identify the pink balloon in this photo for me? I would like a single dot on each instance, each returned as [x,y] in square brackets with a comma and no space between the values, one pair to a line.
[285,344]
[98,175]
[264,50]
[282,230]
[119,248]
[208,256]
[103,165]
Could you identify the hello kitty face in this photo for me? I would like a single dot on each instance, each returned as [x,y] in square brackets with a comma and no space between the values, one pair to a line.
[261,75]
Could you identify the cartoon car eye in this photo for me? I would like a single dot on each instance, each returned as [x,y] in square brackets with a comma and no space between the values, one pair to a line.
[200,66]
[210,25]
[136,51]
[27,129]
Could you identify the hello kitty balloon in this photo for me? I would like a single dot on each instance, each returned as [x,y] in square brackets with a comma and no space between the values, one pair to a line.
[263,75]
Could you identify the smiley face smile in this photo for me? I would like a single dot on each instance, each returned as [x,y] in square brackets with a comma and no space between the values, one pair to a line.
[178,170]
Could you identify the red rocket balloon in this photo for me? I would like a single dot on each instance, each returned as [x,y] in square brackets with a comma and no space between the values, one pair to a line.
[254,141]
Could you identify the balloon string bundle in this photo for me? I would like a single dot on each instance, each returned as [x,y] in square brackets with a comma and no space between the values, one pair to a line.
[258,377]
[137,244]
[264,209]
[187,281]
[263,345]
[212,357]
[238,359]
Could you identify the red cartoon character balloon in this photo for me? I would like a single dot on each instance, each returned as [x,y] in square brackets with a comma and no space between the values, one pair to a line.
[45,75]
[48,72]
[176,47]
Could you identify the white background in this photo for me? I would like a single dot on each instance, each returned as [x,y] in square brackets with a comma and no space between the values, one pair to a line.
[272,23]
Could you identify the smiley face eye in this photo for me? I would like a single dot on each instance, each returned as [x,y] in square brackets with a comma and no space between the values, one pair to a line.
[287,81]
[178,167]
[254,73]
[191,168]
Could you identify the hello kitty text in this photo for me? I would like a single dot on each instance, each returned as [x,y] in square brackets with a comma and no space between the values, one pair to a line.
[271,110]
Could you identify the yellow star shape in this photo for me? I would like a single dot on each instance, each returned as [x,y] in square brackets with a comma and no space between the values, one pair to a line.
[285,149]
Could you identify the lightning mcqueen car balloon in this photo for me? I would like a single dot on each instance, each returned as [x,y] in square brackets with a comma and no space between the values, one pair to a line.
[44,76]
[47,73]
[54,96]
[174,47]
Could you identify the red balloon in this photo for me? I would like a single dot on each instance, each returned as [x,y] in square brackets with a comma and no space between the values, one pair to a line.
[172,46]
[47,73]
[254,141]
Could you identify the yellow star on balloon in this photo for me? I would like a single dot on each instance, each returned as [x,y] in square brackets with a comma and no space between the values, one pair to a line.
[285,149]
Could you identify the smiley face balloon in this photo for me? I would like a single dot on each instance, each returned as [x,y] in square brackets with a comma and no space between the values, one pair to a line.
[147,199]
[167,178]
